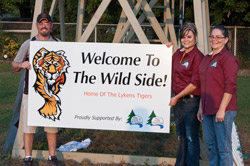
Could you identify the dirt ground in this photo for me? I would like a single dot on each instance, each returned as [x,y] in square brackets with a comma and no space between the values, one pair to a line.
[18,162]
[244,72]
[245,144]
[170,146]
[110,142]
[71,163]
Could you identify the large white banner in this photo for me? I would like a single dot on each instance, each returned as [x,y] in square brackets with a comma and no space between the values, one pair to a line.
[100,86]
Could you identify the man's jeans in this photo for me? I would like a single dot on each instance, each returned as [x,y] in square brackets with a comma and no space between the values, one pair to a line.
[187,129]
[218,136]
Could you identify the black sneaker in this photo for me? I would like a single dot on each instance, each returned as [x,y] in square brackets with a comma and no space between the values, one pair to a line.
[53,161]
[27,161]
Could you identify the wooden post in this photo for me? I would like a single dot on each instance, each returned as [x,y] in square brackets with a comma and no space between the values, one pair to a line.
[126,26]
[153,21]
[169,25]
[80,19]
[103,6]
[201,21]
[62,25]
[134,22]
[52,8]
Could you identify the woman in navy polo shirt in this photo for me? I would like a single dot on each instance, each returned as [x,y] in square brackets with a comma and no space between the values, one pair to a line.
[218,79]
[186,91]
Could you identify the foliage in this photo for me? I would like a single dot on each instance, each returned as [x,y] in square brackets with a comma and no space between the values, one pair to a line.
[226,12]
[229,12]
[71,7]
[16,8]
[8,46]
[243,47]
[189,11]
[7,8]
[110,15]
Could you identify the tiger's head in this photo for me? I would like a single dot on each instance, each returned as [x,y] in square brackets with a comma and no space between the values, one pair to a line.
[52,65]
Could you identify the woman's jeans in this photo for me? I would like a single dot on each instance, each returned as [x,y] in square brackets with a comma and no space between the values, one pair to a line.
[218,136]
[187,129]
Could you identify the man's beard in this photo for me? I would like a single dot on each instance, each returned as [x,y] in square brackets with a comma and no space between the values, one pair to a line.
[45,33]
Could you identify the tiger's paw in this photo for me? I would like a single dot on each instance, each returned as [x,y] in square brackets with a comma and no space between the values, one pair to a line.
[49,111]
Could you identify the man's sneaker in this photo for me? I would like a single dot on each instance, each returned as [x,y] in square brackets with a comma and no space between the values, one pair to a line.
[52,161]
[27,161]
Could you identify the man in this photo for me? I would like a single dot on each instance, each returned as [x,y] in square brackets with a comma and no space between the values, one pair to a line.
[21,61]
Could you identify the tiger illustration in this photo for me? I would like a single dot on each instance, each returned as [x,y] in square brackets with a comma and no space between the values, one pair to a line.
[50,68]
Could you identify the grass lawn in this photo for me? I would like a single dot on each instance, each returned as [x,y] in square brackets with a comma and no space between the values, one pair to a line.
[8,90]
[5,66]
[242,118]
[116,142]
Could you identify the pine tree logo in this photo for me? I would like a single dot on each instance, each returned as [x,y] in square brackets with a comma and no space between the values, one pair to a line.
[214,64]
[185,63]
[151,117]
[134,119]
[155,120]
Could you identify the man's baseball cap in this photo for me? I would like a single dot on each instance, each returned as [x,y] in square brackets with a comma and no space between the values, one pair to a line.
[43,16]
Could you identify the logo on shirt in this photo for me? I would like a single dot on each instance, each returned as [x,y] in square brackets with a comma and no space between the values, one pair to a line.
[214,64]
[185,63]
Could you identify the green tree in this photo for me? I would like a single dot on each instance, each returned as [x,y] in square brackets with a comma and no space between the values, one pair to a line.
[226,12]
[8,45]
[110,15]
[130,116]
[229,12]
[152,115]
[16,8]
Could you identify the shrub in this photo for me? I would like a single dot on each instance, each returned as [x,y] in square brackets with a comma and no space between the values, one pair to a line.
[8,46]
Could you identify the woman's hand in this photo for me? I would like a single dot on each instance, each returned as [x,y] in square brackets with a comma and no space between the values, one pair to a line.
[200,115]
[169,44]
[173,101]
[220,116]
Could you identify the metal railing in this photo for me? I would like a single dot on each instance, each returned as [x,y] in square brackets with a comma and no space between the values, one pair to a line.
[239,36]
